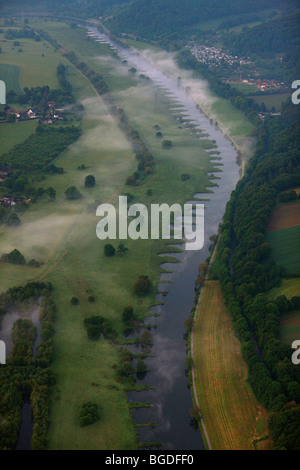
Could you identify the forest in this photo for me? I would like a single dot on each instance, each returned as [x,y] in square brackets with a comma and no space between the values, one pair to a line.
[166,18]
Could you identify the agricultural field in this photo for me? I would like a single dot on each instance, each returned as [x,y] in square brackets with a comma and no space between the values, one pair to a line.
[271,100]
[289,323]
[284,216]
[37,61]
[10,74]
[232,416]
[246,88]
[290,327]
[283,236]
[12,134]
[285,248]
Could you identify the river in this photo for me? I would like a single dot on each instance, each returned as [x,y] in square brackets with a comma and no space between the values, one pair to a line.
[172,398]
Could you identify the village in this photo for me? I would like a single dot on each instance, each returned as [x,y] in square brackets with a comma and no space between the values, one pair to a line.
[46,115]
[236,67]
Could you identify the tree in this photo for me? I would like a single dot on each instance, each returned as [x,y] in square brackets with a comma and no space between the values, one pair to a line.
[121,250]
[142,286]
[88,414]
[141,367]
[52,193]
[109,251]
[167,144]
[188,324]
[14,257]
[195,412]
[74,301]
[146,338]
[128,315]
[72,193]
[89,181]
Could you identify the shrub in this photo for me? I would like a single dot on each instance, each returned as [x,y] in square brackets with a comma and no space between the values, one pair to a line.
[72,193]
[167,144]
[89,181]
[74,301]
[88,414]
[142,286]
[128,315]
[14,257]
[109,251]
[141,367]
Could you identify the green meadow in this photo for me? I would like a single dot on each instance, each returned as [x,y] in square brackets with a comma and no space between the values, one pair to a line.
[290,327]
[37,62]
[12,134]
[285,248]
[62,234]
[271,100]
[10,74]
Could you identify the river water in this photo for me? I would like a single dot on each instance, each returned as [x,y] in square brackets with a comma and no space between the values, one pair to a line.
[172,398]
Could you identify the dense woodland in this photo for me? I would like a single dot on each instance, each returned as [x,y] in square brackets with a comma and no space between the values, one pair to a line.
[247,272]
[268,41]
[170,18]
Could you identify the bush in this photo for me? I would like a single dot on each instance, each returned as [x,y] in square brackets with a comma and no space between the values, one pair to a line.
[74,301]
[14,257]
[109,251]
[89,181]
[72,193]
[141,367]
[167,144]
[142,286]
[128,315]
[88,414]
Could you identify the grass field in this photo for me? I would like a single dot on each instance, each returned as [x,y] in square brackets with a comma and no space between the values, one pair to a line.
[271,100]
[283,236]
[14,133]
[10,74]
[232,416]
[290,327]
[289,287]
[245,88]
[61,234]
[285,246]
[284,216]
[37,62]
[98,56]
[142,46]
